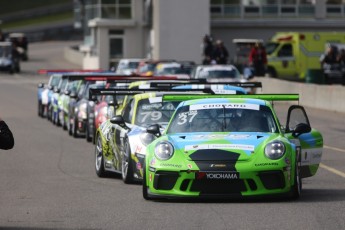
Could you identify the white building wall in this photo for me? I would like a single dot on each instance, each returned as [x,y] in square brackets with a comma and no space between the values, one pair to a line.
[178,28]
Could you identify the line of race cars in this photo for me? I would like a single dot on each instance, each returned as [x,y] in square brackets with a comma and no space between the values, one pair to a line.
[185,138]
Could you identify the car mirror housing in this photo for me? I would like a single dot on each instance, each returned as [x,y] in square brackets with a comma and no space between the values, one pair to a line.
[118,120]
[300,129]
[154,129]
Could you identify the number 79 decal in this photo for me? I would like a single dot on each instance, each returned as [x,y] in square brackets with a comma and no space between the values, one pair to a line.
[151,115]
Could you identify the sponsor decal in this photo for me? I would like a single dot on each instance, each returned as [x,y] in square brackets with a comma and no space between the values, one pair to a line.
[217,176]
[220,146]
[267,164]
[190,166]
[224,91]
[224,105]
[317,155]
[311,156]
[138,149]
[152,106]
[150,177]
[234,136]
[139,166]
[170,165]
[217,165]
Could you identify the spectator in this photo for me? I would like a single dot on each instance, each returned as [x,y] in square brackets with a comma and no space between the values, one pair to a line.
[258,59]
[207,50]
[6,136]
[330,57]
[221,54]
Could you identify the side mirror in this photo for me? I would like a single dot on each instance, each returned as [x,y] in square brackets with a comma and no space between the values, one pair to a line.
[114,104]
[67,92]
[94,98]
[50,87]
[40,85]
[118,120]
[73,95]
[300,129]
[154,129]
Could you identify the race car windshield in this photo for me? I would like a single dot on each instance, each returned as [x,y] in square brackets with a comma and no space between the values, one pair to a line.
[223,118]
[55,81]
[149,112]
[5,51]
[234,74]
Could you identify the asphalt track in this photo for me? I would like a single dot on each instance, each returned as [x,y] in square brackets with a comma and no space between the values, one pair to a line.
[48,181]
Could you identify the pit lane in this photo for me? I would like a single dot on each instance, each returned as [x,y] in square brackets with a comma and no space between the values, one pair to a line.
[48,180]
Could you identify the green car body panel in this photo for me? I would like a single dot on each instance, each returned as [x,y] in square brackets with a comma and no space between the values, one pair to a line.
[230,164]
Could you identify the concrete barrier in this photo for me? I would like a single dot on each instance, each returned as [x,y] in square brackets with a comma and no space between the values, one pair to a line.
[328,97]
[73,55]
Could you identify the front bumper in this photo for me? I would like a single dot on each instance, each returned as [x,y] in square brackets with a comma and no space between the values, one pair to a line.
[187,183]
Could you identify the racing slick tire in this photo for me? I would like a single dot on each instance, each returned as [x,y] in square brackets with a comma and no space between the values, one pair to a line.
[88,137]
[296,189]
[145,193]
[74,128]
[127,164]
[40,109]
[69,127]
[99,160]
[63,122]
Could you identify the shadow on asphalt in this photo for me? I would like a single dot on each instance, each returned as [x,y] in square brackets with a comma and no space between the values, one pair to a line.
[307,196]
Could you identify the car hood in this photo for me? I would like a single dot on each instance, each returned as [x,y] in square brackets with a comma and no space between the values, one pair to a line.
[219,147]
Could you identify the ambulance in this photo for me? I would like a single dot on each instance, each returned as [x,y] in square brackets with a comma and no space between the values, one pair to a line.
[294,55]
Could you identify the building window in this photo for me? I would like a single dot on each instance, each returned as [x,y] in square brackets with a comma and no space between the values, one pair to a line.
[117,9]
[116,47]
[335,8]
[263,8]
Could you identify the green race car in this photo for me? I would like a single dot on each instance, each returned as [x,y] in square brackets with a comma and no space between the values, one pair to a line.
[221,146]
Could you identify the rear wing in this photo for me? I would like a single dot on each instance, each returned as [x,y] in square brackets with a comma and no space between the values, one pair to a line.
[125,91]
[204,82]
[53,71]
[266,97]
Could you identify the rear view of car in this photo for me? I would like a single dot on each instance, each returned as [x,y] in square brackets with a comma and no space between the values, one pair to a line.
[8,61]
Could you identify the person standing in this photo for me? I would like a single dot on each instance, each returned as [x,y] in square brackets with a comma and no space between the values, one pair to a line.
[207,50]
[6,136]
[258,59]
[221,54]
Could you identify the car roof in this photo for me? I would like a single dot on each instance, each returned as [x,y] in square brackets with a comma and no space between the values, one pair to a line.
[217,67]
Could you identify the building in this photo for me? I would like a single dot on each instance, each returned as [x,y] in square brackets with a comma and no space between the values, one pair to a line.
[173,29]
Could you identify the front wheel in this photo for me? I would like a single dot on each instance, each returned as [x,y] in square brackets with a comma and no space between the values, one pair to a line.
[74,128]
[40,109]
[99,160]
[297,187]
[127,168]
[88,136]
[145,193]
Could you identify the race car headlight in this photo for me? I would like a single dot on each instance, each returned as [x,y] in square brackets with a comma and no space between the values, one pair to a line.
[275,150]
[147,138]
[164,150]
